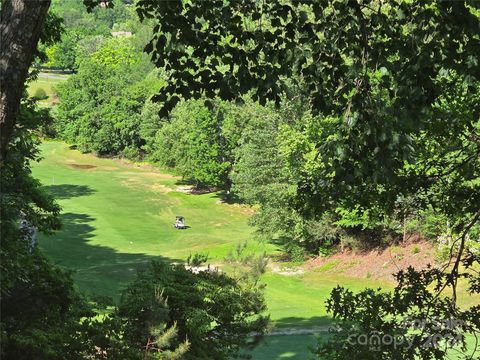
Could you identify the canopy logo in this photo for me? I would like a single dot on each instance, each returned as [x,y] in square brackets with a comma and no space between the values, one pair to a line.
[431,333]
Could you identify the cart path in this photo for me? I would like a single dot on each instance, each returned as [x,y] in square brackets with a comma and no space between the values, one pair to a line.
[300,331]
[52,76]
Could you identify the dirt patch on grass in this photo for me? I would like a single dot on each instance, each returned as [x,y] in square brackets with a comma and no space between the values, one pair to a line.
[377,263]
[244,209]
[192,190]
[149,170]
[285,270]
[54,100]
[299,331]
[208,268]
[161,188]
[158,175]
[239,208]
[185,189]
[158,188]
[145,174]
[82,166]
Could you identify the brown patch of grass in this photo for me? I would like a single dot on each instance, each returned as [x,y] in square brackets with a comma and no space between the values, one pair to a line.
[161,188]
[82,166]
[240,208]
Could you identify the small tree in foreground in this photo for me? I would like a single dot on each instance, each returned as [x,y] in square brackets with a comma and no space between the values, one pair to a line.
[169,310]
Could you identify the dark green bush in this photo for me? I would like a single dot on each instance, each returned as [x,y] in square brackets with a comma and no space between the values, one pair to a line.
[40,94]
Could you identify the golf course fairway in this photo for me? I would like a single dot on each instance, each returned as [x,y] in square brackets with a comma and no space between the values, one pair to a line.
[117,217]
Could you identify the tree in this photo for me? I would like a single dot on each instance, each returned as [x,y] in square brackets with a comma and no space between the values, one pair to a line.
[40,308]
[40,312]
[259,176]
[63,54]
[409,323]
[193,143]
[100,106]
[20,27]
[217,314]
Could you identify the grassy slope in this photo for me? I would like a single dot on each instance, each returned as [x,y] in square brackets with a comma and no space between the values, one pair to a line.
[299,301]
[117,217]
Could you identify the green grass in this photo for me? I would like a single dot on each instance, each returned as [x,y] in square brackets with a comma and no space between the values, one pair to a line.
[297,347]
[292,347]
[299,301]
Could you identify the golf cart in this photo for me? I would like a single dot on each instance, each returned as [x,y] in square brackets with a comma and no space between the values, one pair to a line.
[179,223]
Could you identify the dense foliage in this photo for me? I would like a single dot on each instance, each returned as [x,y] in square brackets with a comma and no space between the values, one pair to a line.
[193,143]
[40,309]
[100,107]
[79,26]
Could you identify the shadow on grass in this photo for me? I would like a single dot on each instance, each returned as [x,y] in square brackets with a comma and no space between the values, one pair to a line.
[303,323]
[291,347]
[228,197]
[67,191]
[294,345]
[97,269]
[184,182]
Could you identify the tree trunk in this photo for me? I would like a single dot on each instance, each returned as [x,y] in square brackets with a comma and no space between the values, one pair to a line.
[21,22]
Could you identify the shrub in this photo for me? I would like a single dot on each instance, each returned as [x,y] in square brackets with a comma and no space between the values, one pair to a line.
[197,259]
[395,250]
[296,252]
[433,224]
[320,236]
[131,152]
[40,94]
